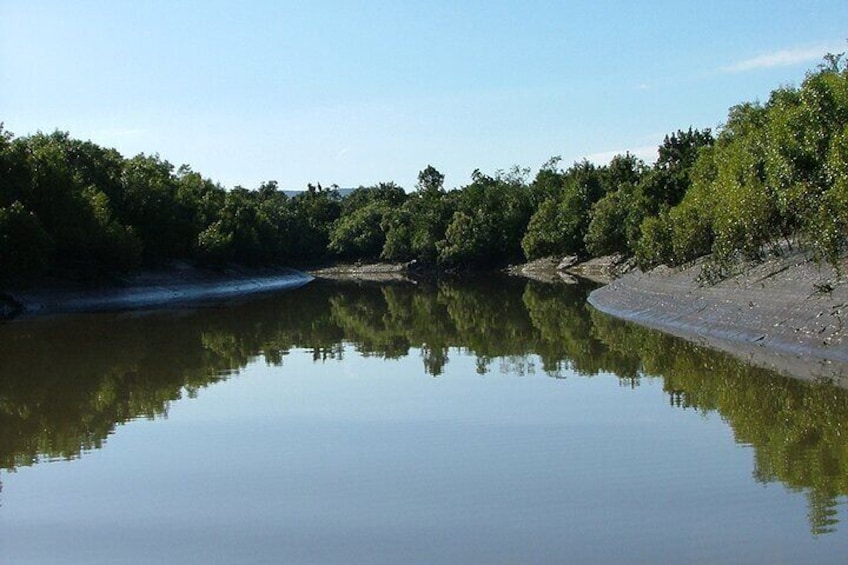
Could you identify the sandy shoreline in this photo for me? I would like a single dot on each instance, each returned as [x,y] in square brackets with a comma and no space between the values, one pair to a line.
[786,313]
[176,284]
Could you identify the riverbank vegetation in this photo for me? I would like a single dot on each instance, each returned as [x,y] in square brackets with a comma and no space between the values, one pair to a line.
[774,171]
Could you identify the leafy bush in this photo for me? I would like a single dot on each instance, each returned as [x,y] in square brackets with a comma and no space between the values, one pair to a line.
[25,246]
[656,244]
[608,229]
[215,245]
[543,235]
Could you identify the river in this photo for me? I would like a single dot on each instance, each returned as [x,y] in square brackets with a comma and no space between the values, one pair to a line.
[491,420]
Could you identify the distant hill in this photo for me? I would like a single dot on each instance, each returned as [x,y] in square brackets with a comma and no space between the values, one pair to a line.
[342,191]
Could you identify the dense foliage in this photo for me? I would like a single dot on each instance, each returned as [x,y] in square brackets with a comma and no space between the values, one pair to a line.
[775,172]
[73,208]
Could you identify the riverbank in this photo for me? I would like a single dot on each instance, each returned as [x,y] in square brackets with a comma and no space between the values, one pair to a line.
[786,313]
[554,269]
[366,272]
[173,284]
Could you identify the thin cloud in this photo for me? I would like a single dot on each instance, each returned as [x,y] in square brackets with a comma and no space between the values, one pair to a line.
[782,58]
[647,153]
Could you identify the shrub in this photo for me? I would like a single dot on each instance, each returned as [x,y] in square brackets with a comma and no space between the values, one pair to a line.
[25,247]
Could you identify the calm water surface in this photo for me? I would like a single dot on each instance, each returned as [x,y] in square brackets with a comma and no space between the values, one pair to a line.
[492,421]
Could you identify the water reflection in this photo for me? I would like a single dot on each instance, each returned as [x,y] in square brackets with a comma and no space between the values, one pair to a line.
[66,383]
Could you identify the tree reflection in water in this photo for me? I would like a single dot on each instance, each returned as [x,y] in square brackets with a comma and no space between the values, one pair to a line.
[65,383]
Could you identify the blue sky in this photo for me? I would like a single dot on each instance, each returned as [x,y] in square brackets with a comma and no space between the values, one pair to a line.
[355,93]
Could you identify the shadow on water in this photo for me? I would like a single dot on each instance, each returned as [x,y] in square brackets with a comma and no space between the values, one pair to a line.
[67,382]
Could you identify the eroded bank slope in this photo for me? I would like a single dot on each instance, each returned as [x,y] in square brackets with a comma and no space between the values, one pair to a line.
[787,313]
[176,284]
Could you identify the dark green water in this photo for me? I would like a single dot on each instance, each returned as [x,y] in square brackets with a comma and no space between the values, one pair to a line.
[487,421]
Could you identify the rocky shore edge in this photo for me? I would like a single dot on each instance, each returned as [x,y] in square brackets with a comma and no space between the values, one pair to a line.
[367,272]
[569,269]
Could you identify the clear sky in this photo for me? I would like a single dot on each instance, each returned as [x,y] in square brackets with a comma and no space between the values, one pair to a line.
[355,93]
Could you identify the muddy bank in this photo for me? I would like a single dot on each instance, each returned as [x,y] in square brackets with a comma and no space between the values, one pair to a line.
[569,269]
[786,313]
[547,270]
[367,272]
[176,284]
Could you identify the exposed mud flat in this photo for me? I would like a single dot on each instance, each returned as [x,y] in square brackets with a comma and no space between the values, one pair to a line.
[569,269]
[787,313]
[367,272]
[178,283]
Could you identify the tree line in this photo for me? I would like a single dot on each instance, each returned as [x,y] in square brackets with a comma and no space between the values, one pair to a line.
[774,171]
